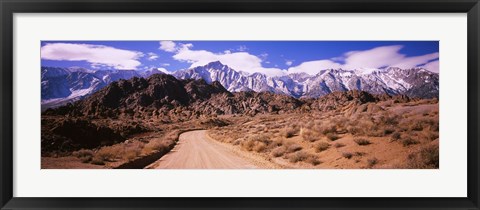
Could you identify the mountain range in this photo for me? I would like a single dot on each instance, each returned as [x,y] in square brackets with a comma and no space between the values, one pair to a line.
[170,99]
[63,85]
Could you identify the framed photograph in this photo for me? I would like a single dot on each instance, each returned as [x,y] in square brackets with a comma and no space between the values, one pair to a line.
[239,105]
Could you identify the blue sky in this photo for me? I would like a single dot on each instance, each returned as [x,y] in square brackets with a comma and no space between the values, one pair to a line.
[269,57]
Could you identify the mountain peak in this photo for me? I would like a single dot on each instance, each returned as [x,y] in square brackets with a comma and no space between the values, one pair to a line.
[216,65]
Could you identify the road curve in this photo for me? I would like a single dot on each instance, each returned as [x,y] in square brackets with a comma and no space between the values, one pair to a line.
[196,151]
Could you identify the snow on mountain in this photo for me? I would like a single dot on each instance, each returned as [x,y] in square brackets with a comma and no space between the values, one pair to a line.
[63,85]
[414,82]
[231,79]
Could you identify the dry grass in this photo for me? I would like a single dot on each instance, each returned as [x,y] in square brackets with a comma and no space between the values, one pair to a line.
[130,149]
[308,135]
[338,145]
[298,156]
[157,144]
[300,137]
[294,147]
[289,132]
[279,151]
[332,136]
[321,146]
[362,142]
[326,129]
[84,155]
[426,158]
[312,159]
[407,141]
[347,155]
[372,162]
[396,136]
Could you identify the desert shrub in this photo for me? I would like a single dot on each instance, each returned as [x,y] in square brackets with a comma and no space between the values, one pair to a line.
[259,147]
[372,162]
[434,126]
[388,130]
[308,135]
[97,161]
[309,124]
[425,158]
[277,143]
[332,136]
[375,130]
[298,156]
[396,136]
[355,130]
[321,146]
[340,121]
[389,119]
[85,155]
[260,138]
[289,132]
[107,153]
[131,154]
[313,159]
[294,148]
[132,151]
[362,142]
[279,151]
[157,145]
[327,129]
[338,145]
[237,141]
[407,141]
[347,155]
[416,126]
[430,135]
[248,144]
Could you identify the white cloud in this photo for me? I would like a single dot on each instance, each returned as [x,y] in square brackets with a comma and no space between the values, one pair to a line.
[433,66]
[288,62]
[373,58]
[416,60]
[164,70]
[152,56]
[385,56]
[96,55]
[168,46]
[242,48]
[165,64]
[313,67]
[241,61]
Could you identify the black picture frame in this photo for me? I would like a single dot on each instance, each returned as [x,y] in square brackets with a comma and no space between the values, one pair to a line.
[10,7]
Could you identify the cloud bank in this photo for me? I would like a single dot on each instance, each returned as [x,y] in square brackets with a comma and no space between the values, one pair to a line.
[96,55]
[379,57]
[242,61]
[375,58]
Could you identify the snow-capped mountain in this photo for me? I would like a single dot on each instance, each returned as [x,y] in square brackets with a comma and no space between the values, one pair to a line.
[231,79]
[414,82]
[63,85]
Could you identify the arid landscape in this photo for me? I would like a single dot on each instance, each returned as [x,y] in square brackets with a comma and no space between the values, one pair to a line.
[215,117]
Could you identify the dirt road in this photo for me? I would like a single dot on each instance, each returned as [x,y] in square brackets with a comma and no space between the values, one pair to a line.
[195,151]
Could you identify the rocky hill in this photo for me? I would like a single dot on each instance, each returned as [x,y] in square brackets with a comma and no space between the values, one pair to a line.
[164,97]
